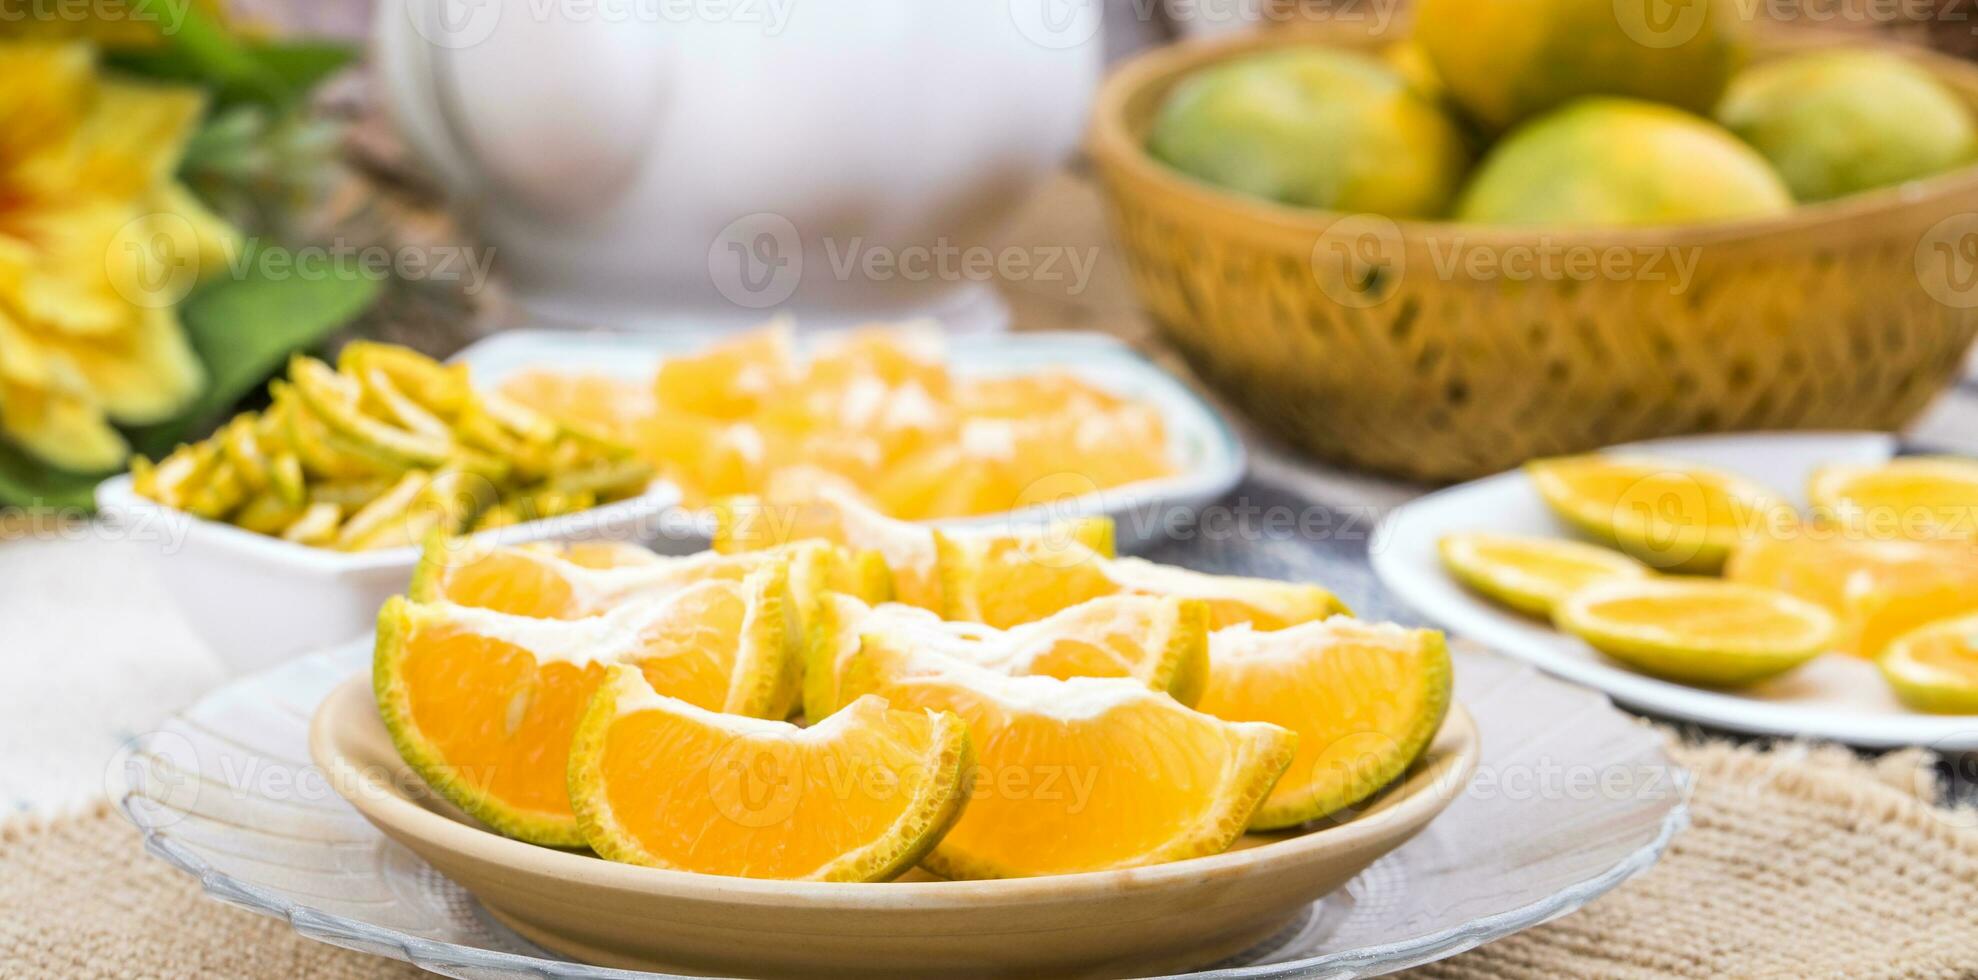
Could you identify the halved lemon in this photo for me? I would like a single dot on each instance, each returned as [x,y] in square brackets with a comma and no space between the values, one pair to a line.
[1086,774]
[827,508]
[1160,641]
[1698,631]
[1364,698]
[1531,575]
[861,796]
[1674,516]
[1935,668]
[1912,497]
[483,704]
[1007,583]
[1879,589]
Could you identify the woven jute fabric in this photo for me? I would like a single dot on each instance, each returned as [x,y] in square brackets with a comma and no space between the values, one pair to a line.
[1799,862]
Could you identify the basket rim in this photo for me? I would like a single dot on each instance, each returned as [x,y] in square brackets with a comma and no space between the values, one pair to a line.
[1119,152]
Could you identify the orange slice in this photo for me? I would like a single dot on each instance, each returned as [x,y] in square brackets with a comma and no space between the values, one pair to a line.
[1531,575]
[483,704]
[1086,774]
[1365,700]
[860,797]
[1912,497]
[1160,641]
[1935,668]
[1671,515]
[1698,631]
[1007,583]
[1878,589]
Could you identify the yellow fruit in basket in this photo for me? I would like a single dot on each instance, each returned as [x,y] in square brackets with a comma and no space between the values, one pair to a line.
[861,796]
[1673,516]
[1912,497]
[1161,642]
[806,504]
[1935,668]
[483,705]
[1698,631]
[1087,774]
[1618,162]
[1316,127]
[1365,700]
[1508,60]
[1007,583]
[1878,589]
[1838,122]
[1531,575]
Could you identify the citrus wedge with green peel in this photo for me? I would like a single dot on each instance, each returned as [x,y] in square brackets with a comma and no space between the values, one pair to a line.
[1672,516]
[1531,575]
[1913,497]
[483,705]
[1162,642]
[1086,774]
[1935,668]
[861,796]
[1364,699]
[1698,631]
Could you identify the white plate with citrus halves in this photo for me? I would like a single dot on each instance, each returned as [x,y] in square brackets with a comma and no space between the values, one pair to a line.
[1823,624]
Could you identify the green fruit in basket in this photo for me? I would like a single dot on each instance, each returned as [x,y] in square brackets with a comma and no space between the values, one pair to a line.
[1316,127]
[1508,60]
[1614,162]
[1837,122]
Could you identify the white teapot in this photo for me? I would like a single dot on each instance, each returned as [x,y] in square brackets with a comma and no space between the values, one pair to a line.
[661,161]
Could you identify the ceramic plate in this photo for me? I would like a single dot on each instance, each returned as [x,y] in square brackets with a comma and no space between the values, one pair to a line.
[1209,457]
[1570,798]
[1835,697]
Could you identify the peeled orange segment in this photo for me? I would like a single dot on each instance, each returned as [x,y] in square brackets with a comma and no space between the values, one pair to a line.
[861,796]
[1935,668]
[828,509]
[1161,642]
[603,554]
[483,704]
[1912,497]
[1878,589]
[1700,631]
[732,379]
[1007,583]
[1086,774]
[1365,700]
[1672,516]
[1531,575]
[591,402]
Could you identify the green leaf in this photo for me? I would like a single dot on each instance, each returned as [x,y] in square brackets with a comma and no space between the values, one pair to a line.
[245,326]
[26,482]
[202,52]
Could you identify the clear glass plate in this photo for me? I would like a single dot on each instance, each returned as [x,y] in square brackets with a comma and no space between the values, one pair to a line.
[1572,798]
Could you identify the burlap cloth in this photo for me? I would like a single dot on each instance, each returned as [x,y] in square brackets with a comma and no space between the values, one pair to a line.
[1798,862]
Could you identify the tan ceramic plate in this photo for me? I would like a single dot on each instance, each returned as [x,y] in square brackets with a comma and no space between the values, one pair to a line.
[1119,923]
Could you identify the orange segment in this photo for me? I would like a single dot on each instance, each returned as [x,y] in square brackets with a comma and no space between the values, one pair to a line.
[1007,583]
[860,797]
[593,402]
[1671,515]
[483,704]
[729,380]
[1365,700]
[1085,774]
[1877,589]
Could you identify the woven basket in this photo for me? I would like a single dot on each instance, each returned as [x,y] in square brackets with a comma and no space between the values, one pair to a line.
[1442,352]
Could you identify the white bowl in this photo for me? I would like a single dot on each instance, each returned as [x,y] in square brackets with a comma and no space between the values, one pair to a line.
[258,600]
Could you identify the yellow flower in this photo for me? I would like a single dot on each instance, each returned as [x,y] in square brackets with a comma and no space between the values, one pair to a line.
[98,243]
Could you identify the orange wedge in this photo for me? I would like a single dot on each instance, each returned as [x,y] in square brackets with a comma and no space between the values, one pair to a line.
[1878,589]
[1007,583]
[1365,700]
[483,704]
[1160,641]
[1086,774]
[1671,515]
[861,796]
